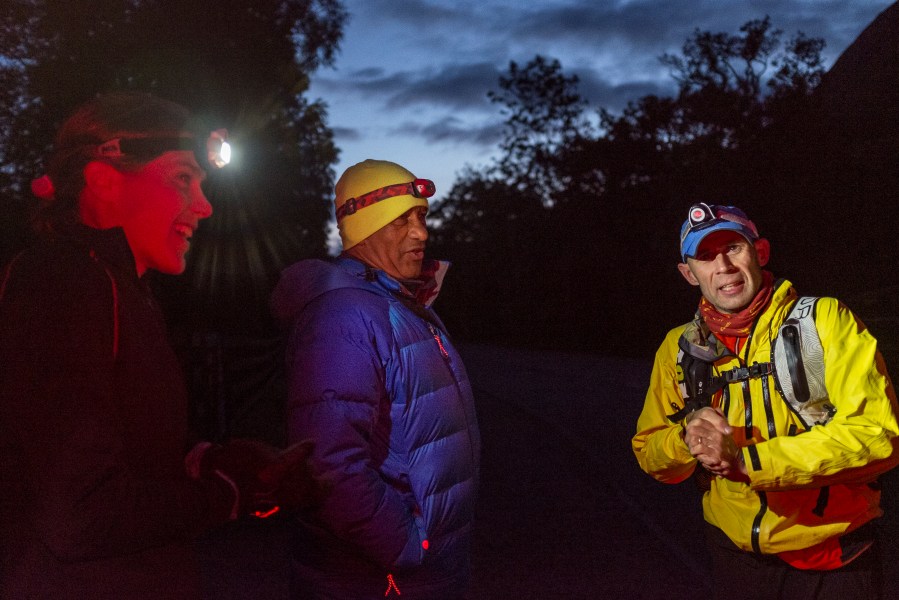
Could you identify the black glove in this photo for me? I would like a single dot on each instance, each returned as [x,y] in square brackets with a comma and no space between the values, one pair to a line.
[291,483]
[264,478]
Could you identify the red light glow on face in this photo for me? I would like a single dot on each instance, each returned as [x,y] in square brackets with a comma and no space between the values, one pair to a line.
[161,206]
[424,544]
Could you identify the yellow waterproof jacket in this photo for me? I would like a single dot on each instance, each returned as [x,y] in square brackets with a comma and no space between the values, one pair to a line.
[807,484]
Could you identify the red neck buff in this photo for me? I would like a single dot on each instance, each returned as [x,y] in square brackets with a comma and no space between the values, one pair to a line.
[738,324]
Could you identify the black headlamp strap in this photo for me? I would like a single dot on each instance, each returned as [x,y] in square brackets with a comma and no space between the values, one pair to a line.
[145,146]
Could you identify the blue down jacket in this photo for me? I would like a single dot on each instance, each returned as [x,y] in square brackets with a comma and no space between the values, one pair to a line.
[376,383]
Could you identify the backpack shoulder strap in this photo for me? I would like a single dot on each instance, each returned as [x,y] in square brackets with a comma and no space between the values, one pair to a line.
[798,358]
[695,357]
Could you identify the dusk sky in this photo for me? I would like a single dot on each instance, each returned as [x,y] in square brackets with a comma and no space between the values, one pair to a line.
[410,83]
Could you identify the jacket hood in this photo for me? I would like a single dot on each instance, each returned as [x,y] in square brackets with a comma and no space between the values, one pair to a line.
[303,282]
[306,280]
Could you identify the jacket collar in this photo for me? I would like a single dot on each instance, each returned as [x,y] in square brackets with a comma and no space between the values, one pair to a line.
[423,289]
[108,245]
[698,341]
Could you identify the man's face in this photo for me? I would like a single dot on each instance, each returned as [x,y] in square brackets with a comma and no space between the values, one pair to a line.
[160,208]
[728,269]
[397,248]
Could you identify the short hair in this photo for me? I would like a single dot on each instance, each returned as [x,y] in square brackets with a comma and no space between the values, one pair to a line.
[105,117]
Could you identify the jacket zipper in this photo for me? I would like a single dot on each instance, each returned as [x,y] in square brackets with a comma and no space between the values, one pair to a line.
[439,341]
[756,531]
[446,359]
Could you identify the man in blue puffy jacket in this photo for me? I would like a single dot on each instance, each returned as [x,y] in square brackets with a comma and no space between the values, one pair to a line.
[377,384]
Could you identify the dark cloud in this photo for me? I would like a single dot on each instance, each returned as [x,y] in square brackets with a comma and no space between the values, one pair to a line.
[622,33]
[368,73]
[346,134]
[417,72]
[454,86]
[600,93]
[658,26]
[383,83]
[424,13]
[453,130]
[465,87]
[635,24]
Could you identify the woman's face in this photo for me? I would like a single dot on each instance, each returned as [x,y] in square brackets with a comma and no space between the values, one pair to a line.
[161,206]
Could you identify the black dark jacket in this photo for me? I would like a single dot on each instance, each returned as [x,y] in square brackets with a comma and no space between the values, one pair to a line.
[94,502]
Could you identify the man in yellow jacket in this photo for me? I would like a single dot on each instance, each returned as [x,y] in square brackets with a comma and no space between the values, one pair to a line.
[792,492]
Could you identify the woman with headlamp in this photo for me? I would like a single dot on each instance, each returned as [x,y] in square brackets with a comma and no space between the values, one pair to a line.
[95,499]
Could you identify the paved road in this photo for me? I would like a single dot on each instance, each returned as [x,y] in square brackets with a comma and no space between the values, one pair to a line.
[564,510]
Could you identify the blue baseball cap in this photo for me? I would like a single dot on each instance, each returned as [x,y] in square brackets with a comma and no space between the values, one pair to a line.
[704,219]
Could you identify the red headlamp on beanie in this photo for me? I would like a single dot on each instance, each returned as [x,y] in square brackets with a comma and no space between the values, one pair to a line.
[420,188]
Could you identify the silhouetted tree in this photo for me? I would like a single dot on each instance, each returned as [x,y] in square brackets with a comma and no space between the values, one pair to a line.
[237,64]
[240,64]
[574,225]
[544,113]
[728,89]
[487,214]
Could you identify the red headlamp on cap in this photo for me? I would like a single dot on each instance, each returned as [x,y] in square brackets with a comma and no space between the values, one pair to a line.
[419,188]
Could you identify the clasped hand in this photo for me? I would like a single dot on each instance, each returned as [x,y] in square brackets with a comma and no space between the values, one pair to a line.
[710,440]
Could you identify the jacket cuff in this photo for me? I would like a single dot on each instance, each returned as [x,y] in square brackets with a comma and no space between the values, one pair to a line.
[678,448]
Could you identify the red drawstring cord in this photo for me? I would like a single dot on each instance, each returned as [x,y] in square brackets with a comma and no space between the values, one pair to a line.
[391,585]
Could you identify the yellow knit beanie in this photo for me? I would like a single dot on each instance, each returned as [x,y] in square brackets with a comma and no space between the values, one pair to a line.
[357,223]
